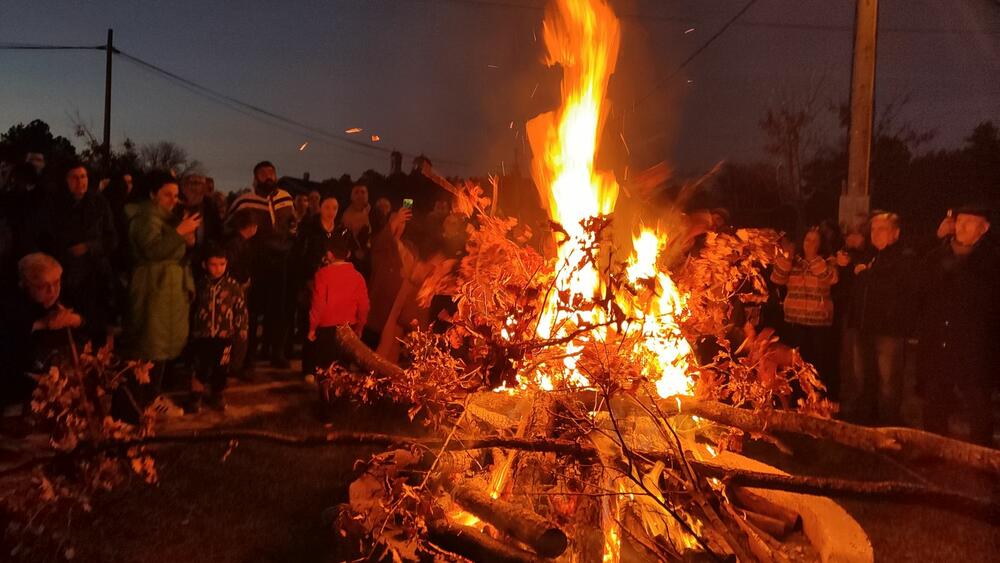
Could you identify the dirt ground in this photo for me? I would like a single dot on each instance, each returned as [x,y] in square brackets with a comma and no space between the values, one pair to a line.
[263,502]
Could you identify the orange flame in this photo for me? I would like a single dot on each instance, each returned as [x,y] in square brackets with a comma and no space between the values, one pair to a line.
[582,36]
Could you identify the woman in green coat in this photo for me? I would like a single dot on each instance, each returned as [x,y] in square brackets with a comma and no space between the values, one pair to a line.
[161,286]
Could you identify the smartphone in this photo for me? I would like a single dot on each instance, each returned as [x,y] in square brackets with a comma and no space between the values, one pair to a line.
[407,203]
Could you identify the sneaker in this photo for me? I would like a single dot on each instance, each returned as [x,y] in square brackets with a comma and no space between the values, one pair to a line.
[164,407]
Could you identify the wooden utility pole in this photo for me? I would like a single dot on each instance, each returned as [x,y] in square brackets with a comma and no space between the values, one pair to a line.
[109,50]
[859,149]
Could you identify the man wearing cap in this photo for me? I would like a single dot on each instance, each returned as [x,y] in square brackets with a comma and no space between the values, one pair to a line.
[961,317]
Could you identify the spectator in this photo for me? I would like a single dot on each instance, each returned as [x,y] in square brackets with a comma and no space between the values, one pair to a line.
[808,307]
[77,228]
[957,351]
[118,194]
[356,220]
[161,285]
[880,301]
[314,201]
[240,265]
[387,275]
[355,217]
[311,248]
[196,200]
[219,320]
[269,296]
[379,216]
[339,297]
[36,328]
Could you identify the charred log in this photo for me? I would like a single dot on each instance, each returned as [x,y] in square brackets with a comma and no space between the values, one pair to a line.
[520,523]
[473,544]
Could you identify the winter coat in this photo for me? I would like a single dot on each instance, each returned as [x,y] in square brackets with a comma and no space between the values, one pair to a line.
[339,297]
[161,286]
[960,317]
[881,296]
[220,309]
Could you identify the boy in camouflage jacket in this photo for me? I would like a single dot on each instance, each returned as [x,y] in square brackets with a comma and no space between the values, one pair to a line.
[219,319]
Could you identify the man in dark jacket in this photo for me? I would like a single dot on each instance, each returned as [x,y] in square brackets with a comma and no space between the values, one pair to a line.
[961,318]
[271,207]
[75,226]
[880,301]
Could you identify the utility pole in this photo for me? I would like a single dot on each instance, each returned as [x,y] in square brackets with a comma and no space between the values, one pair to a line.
[856,199]
[109,50]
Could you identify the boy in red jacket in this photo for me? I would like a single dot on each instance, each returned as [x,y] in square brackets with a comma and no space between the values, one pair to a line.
[339,297]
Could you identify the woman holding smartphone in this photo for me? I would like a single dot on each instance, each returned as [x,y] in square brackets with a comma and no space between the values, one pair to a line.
[161,286]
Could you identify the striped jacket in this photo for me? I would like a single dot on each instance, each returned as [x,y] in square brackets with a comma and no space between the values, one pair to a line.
[808,301]
[274,214]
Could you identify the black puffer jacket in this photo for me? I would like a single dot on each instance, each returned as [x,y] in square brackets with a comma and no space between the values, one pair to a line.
[882,295]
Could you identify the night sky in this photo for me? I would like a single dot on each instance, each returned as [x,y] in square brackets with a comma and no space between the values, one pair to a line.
[447,77]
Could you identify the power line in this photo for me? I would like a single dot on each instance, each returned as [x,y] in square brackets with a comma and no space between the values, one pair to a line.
[845,28]
[666,78]
[37,47]
[198,88]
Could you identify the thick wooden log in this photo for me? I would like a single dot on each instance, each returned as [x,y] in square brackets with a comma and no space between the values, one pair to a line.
[473,544]
[520,523]
[765,523]
[905,442]
[753,502]
[354,348]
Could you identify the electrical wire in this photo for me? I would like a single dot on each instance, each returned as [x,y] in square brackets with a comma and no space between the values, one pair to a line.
[667,77]
[247,107]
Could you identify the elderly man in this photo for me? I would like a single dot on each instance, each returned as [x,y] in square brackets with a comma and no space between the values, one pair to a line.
[36,327]
[880,302]
[961,318]
[195,196]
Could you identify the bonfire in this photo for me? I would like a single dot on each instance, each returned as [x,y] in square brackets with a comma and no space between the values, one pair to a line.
[590,408]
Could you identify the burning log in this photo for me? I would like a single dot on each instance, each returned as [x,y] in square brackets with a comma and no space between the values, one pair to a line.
[473,544]
[520,523]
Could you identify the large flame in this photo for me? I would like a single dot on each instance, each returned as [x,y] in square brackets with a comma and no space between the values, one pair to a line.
[582,36]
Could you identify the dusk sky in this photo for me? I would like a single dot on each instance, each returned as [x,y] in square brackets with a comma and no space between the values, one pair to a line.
[447,77]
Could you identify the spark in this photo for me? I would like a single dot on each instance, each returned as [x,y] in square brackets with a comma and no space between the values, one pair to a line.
[492,66]
[689,31]
[535,89]
[353,130]
[303,146]
[376,138]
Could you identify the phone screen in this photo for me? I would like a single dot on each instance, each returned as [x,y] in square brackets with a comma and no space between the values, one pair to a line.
[407,203]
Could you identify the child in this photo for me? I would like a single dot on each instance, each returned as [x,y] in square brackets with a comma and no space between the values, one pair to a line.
[340,297]
[220,318]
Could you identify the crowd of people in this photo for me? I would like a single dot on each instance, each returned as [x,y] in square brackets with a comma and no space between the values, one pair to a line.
[196,283]
[182,276]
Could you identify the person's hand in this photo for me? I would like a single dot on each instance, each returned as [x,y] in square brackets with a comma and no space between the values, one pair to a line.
[947,227]
[311,336]
[860,268]
[843,258]
[78,249]
[63,318]
[189,224]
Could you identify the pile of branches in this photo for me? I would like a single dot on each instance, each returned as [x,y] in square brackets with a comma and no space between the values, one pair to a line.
[611,455]
[88,450]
